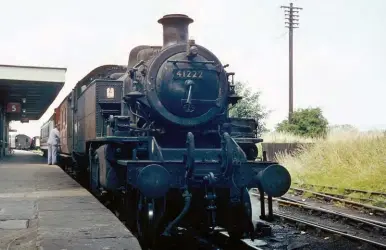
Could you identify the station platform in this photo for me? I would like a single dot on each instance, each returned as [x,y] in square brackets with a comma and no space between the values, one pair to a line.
[41,207]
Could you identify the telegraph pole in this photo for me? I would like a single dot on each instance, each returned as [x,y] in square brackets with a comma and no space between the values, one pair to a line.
[291,14]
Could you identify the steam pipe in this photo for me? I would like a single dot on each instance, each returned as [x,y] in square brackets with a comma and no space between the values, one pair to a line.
[187,201]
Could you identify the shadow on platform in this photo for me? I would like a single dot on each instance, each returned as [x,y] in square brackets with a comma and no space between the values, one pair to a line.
[41,207]
[23,157]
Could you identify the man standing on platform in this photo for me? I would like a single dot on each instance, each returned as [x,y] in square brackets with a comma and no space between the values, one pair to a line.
[53,145]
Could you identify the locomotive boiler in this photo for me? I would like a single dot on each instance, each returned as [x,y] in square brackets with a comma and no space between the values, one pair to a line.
[156,138]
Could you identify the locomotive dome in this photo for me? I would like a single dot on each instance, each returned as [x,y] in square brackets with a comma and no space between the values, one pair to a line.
[186,83]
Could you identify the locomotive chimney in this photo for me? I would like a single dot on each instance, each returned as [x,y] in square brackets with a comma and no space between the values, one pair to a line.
[175,28]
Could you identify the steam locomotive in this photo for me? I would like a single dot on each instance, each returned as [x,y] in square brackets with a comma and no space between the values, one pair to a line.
[155,138]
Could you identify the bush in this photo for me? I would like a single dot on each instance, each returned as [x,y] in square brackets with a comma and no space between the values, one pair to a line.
[306,123]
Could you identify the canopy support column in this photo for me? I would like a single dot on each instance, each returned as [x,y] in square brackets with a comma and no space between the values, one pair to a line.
[2,131]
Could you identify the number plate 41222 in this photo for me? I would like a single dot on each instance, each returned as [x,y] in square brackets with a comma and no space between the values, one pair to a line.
[188,74]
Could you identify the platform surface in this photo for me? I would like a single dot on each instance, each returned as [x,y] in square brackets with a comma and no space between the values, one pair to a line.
[41,207]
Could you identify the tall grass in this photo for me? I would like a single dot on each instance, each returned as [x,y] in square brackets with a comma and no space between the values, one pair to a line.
[345,159]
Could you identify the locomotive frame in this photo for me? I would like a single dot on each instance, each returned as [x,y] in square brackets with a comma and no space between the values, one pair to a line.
[158,142]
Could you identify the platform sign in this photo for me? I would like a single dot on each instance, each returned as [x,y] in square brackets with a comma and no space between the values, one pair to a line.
[13,107]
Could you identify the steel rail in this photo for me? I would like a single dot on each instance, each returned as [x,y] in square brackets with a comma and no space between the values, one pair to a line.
[379,225]
[371,224]
[373,209]
[346,190]
[359,199]
[328,229]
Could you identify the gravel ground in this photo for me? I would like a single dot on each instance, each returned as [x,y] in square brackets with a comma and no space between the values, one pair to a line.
[338,224]
[287,236]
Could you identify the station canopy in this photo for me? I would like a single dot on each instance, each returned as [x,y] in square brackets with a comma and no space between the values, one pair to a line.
[26,92]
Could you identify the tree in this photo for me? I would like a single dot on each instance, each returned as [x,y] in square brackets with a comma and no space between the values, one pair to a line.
[249,106]
[308,122]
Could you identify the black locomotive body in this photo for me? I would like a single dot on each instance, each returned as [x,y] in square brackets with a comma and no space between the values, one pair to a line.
[158,139]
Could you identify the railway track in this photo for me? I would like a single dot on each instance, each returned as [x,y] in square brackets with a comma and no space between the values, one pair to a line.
[376,210]
[328,229]
[362,229]
[379,210]
[364,223]
[376,203]
[346,191]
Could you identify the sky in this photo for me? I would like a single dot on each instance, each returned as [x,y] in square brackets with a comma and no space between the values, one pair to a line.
[339,49]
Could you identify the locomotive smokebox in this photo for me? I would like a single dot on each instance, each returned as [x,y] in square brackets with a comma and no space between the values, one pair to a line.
[175,29]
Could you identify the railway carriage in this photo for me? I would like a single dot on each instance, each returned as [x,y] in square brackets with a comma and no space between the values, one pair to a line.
[155,138]
[45,133]
[64,119]
[22,141]
[35,143]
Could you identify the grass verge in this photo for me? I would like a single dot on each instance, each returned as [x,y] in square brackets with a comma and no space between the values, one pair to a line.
[345,160]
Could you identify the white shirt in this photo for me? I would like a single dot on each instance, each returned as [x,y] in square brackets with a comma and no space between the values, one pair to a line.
[54,138]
